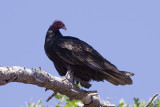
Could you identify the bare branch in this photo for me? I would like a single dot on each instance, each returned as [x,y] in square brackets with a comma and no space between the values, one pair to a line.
[44,79]
[152,100]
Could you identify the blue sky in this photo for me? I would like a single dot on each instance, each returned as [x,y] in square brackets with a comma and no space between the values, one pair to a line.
[125,32]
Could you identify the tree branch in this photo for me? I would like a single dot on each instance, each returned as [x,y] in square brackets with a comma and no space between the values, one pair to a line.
[152,100]
[44,79]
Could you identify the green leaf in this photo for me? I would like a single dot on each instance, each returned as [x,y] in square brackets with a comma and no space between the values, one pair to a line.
[136,101]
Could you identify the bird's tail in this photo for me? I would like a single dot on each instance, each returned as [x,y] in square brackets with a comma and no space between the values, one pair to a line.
[119,77]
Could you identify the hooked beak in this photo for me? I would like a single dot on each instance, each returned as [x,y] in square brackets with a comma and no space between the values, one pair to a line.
[64,28]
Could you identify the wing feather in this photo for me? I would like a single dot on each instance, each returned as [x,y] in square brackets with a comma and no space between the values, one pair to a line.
[77,52]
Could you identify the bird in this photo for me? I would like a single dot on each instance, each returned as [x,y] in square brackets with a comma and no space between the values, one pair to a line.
[79,61]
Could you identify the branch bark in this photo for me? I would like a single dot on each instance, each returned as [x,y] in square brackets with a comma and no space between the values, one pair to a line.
[44,79]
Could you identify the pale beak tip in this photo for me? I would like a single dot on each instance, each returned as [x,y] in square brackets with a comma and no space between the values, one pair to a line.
[64,28]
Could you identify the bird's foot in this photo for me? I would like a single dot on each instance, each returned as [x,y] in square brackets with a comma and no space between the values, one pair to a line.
[69,76]
[73,80]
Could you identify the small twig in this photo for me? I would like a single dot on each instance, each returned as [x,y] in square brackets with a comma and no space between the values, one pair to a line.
[46,89]
[40,68]
[152,99]
[95,91]
[54,93]
[8,68]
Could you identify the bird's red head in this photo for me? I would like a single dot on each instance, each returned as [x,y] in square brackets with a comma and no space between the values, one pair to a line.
[57,24]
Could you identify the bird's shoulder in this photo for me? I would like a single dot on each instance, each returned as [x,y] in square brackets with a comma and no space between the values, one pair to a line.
[79,52]
[73,43]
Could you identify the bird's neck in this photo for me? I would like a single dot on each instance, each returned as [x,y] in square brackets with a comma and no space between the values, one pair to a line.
[52,34]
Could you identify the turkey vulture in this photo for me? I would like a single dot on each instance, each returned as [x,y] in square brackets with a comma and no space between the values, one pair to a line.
[70,54]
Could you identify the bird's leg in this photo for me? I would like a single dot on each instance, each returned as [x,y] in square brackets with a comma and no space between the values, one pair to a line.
[69,76]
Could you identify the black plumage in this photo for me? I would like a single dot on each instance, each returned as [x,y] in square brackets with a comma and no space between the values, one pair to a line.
[85,63]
